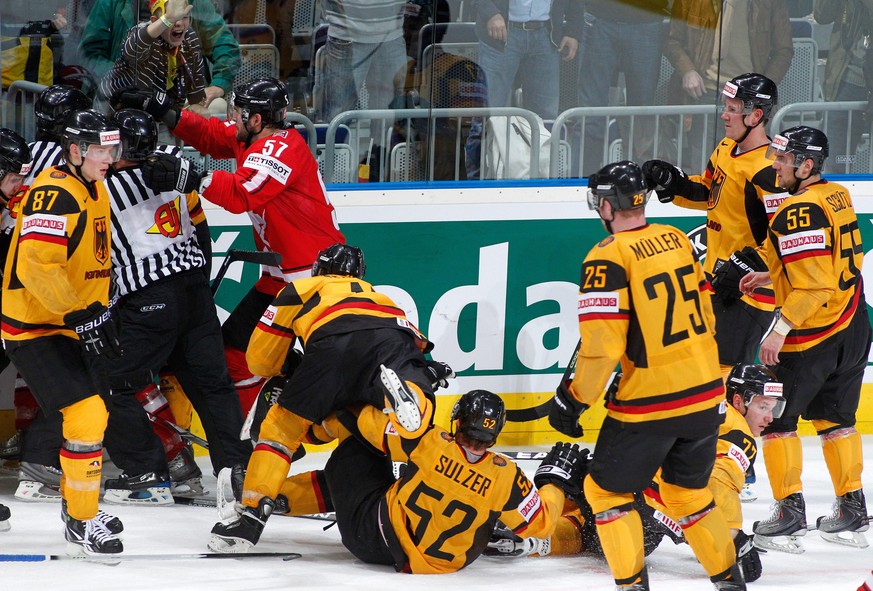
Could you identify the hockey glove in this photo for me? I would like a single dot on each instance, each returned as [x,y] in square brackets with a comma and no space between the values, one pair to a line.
[505,544]
[726,275]
[565,466]
[666,179]
[748,557]
[97,332]
[156,104]
[565,412]
[439,374]
[163,172]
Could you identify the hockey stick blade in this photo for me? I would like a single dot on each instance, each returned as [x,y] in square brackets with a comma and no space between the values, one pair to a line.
[524,455]
[211,503]
[113,559]
[183,433]
[268,259]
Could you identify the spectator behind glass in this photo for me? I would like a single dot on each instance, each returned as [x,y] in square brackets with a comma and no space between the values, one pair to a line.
[110,20]
[527,36]
[278,14]
[620,36]
[161,54]
[844,76]
[755,37]
[364,44]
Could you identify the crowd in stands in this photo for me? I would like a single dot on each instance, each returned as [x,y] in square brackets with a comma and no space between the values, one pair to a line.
[550,58]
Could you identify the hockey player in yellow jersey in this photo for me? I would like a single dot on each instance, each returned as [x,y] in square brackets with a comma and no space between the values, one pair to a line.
[438,516]
[819,342]
[738,192]
[56,324]
[641,304]
[359,347]
[754,396]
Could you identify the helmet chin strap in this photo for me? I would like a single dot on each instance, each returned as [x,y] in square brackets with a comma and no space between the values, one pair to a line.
[748,128]
[252,134]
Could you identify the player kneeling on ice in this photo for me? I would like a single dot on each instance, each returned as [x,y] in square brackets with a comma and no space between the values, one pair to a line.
[358,347]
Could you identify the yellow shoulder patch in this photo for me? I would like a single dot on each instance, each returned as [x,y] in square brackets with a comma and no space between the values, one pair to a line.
[446,436]
[57,174]
[499,460]
[605,241]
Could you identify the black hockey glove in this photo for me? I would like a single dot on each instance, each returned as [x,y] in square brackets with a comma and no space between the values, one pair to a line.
[439,374]
[726,275]
[565,466]
[97,332]
[163,172]
[748,557]
[156,104]
[666,180]
[565,412]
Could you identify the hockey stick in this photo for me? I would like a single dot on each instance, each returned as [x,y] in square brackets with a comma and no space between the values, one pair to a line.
[541,410]
[115,559]
[183,433]
[211,503]
[267,259]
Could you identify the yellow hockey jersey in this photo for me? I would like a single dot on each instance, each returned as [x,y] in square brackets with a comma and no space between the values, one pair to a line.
[641,303]
[735,454]
[815,254]
[315,307]
[444,507]
[60,256]
[742,196]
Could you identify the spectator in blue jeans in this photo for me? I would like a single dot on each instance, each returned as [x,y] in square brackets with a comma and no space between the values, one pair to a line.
[526,35]
[620,36]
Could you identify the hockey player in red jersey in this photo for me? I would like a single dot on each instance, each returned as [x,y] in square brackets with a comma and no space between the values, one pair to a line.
[276,182]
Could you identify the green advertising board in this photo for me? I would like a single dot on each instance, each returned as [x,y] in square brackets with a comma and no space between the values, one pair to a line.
[490,276]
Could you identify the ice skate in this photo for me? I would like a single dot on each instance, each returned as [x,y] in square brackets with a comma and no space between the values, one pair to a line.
[847,522]
[185,475]
[242,533]
[149,488]
[38,483]
[782,530]
[5,514]
[88,537]
[747,495]
[401,400]
[10,449]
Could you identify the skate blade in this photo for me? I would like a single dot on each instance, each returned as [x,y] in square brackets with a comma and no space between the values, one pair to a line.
[747,495]
[788,544]
[853,539]
[229,545]
[75,550]
[405,409]
[157,496]
[36,492]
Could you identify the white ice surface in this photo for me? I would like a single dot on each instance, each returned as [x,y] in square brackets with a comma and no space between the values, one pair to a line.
[326,565]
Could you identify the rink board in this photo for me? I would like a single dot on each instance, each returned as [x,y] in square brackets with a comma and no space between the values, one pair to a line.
[490,273]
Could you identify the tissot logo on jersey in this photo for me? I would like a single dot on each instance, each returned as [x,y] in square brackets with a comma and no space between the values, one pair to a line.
[598,302]
[802,241]
[269,165]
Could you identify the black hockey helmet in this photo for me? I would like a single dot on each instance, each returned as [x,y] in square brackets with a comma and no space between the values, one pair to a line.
[267,97]
[89,127]
[752,379]
[804,142]
[15,156]
[480,415]
[621,183]
[755,90]
[54,104]
[139,133]
[340,259]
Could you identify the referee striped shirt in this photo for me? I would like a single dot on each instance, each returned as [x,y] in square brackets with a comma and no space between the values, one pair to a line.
[153,236]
